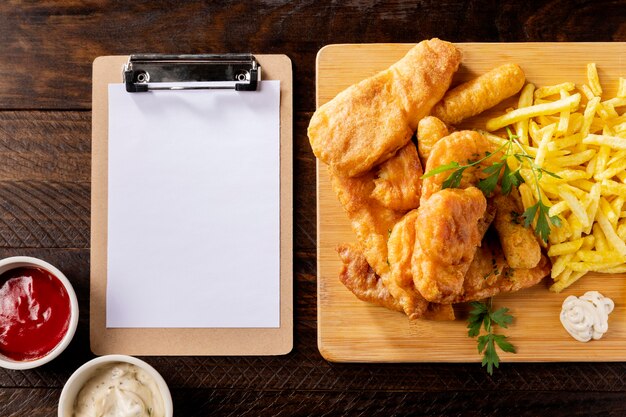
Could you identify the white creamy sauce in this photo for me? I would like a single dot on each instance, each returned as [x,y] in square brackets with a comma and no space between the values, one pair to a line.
[587,317]
[119,390]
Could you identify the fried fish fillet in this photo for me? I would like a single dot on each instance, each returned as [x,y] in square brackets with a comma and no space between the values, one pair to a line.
[519,243]
[481,93]
[399,181]
[362,281]
[429,131]
[461,147]
[447,234]
[399,281]
[489,273]
[357,275]
[370,217]
[368,122]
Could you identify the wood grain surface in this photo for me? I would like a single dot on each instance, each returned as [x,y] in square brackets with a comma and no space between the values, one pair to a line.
[45,128]
[354,331]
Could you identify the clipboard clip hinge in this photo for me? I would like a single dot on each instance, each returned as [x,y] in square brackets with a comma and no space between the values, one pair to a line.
[145,72]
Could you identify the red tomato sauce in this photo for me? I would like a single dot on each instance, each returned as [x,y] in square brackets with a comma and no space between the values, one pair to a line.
[34,313]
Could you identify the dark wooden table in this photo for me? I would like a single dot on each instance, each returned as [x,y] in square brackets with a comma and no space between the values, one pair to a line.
[46,51]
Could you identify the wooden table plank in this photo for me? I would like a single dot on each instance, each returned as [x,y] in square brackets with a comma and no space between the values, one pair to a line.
[249,403]
[48,47]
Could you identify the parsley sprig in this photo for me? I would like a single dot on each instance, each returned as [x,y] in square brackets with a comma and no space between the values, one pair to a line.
[482,315]
[500,169]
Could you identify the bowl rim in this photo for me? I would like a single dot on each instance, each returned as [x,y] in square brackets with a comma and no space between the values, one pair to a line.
[21,261]
[91,365]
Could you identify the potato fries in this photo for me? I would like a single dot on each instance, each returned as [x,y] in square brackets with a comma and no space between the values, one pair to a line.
[574,133]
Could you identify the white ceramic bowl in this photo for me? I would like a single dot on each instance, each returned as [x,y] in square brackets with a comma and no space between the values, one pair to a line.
[26,261]
[84,373]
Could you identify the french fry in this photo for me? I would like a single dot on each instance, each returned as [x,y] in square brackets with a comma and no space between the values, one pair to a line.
[614,142]
[610,234]
[576,206]
[565,247]
[572,278]
[539,109]
[580,138]
[621,90]
[525,100]
[594,80]
[576,159]
[554,89]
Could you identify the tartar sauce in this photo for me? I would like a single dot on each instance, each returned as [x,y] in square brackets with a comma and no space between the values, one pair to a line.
[587,317]
[119,390]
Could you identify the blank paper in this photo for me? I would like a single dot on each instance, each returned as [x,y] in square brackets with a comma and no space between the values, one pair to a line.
[193,208]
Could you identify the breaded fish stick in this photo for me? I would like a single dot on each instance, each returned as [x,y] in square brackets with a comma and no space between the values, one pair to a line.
[368,122]
[520,246]
[477,95]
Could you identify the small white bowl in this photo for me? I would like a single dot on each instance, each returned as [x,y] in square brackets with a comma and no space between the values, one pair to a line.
[27,261]
[84,373]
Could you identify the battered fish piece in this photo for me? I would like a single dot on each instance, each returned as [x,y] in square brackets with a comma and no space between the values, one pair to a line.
[519,243]
[357,275]
[399,281]
[399,180]
[481,93]
[489,273]
[429,131]
[370,220]
[369,201]
[368,122]
[461,147]
[362,281]
[447,235]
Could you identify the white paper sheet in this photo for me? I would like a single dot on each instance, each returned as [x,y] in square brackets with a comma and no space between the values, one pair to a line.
[193,210]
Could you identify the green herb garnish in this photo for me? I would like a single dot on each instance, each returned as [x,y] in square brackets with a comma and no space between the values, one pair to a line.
[509,179]
[482,315]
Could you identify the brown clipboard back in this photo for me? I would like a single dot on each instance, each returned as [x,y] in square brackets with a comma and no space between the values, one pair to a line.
[186,341]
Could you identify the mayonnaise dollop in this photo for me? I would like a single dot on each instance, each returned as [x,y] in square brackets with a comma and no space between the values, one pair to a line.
[119,390]
[587,317]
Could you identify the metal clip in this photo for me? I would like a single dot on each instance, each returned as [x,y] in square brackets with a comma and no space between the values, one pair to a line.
[147,72]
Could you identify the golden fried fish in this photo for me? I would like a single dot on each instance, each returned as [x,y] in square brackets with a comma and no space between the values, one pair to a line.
[357,275]
[399,180]
[448,231]
[429,131]
[399,281]
[489,273]
[369,202]
[461,147]
[362,281]
[481,93]
[519,243]
[368,122]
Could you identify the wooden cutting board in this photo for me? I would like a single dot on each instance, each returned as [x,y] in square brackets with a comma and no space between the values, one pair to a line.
[350,330]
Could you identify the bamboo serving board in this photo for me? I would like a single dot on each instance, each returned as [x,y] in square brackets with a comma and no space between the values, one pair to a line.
[350,330]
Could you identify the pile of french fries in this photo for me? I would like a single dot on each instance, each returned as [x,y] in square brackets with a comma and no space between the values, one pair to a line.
[571,132]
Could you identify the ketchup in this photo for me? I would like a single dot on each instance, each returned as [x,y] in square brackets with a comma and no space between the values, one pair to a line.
[34,313]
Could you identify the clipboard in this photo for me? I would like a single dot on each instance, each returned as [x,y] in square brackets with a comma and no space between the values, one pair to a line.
[186,341]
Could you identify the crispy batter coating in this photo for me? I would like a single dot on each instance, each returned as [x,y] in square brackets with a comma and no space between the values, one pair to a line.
[357,275]
[448,231]
[370,220]
[368,122]
[362,281]
[399,180]
[481,93]
[489,273]
[429,131]
[400,280]
[461,147]
[519,243]
[371,205]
